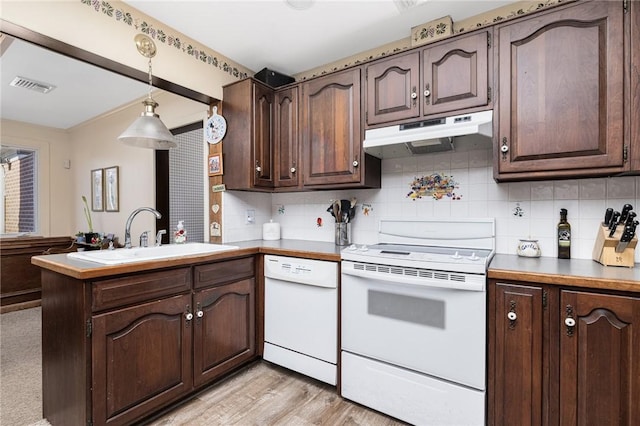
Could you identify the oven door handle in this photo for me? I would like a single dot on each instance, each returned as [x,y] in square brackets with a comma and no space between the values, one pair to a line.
[479,285]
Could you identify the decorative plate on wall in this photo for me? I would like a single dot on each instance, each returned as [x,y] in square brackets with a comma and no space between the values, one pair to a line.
[215,128]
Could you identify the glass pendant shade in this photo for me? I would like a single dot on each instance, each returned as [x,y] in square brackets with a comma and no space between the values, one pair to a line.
[148,131]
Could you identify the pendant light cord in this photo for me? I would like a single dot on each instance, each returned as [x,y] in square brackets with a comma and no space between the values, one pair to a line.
[150,78]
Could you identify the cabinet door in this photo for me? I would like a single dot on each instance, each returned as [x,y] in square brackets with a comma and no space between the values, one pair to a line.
[599,359]
[561,78]
[516,329]
[285,142]
[141,359]
[224,332]
[331,129]
[455,75]
[392,89]
[263,135]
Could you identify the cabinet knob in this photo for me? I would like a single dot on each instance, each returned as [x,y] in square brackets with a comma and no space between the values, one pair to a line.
[427,93]
[199,313]
[504,148]
[293,170]
[414,95]
[569,321]
[188,316]
[355,163]
[511,315]
[258,169]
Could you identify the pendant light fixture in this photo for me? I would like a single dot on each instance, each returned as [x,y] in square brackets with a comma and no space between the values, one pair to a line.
[148,131]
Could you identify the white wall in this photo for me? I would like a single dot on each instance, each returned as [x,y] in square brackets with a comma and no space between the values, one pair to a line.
[94,145]
[539,203]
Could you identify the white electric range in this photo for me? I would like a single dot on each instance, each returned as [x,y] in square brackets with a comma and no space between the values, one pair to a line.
[413,317]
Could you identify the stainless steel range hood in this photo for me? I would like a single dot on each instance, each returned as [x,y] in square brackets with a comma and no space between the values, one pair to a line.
[424,137]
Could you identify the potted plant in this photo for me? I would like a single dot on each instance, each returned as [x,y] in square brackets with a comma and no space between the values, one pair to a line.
[90,237]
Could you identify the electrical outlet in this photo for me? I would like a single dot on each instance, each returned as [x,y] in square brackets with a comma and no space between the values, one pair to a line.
[251,217]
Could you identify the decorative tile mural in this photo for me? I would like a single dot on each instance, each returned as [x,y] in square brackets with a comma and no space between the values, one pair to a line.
[163,36]
[436,186]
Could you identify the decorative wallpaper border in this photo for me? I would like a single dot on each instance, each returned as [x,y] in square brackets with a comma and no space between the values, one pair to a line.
[495,16]
[163,36]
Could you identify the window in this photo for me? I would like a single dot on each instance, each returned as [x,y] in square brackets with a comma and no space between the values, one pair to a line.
[18,183]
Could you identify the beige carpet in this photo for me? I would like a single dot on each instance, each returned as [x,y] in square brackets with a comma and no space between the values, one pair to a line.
[21,368]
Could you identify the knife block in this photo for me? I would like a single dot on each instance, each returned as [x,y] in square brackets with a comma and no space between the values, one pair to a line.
[604,250]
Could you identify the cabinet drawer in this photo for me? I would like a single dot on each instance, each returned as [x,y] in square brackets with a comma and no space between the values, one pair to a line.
[124,291]
[219,273]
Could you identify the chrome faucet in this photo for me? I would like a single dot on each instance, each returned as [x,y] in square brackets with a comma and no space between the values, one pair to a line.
[127,229]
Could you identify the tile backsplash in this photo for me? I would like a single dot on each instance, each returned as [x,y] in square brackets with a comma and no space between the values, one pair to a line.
[521,209]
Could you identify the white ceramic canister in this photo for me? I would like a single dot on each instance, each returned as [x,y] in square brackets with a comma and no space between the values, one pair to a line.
[271,231]
[528,248]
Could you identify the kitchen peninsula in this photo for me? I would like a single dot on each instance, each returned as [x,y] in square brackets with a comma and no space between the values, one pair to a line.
[173,325]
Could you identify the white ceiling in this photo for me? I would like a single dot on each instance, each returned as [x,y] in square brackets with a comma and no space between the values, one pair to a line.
[82,92]
[271,34]
[253,33]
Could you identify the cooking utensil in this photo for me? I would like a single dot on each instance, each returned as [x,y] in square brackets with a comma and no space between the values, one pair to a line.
[336,211]
[345,206]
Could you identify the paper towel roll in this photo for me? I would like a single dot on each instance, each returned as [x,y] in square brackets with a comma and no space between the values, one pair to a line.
[271,231]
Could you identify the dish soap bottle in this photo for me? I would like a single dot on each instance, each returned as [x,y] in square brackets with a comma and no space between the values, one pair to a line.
[180,235]
[564,236]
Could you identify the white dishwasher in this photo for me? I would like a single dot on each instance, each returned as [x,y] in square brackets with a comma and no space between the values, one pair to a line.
[301,315]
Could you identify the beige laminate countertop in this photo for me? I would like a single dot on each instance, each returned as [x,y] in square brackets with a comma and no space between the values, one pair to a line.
[565,272]
[82,270]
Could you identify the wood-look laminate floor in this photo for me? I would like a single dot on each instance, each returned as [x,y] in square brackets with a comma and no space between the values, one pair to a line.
[266,394]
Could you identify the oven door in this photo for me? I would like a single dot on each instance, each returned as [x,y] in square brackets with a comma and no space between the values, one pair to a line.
[424,328]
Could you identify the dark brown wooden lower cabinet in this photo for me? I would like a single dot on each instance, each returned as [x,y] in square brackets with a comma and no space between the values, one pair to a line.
[141,359]
[599,359]
[224,336]
[562,356]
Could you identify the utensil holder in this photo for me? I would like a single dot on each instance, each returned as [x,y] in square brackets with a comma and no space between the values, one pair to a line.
[343,233]
[604,250]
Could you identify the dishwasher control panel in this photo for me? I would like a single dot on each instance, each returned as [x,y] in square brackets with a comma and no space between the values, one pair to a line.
[320,273]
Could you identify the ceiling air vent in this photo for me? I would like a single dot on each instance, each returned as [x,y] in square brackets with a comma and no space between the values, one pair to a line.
[27,83]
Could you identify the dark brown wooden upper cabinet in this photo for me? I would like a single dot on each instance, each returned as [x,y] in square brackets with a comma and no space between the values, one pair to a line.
[285,143]
[248,107]
[455,75]
[392,89]
[331,128]
[447,77]
[561,103]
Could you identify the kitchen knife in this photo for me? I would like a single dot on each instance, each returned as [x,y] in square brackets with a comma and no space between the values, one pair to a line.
[614,219]
[630,218]
[613,228]
[607,216]
[627,235]
[625,211]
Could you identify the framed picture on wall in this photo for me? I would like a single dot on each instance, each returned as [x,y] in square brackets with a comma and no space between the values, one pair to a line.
[97,200]
[111,189]
[215,164]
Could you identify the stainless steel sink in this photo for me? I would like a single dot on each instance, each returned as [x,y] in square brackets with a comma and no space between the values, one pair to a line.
[141,254]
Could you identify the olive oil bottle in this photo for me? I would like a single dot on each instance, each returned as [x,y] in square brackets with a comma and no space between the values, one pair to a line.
[564,236]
